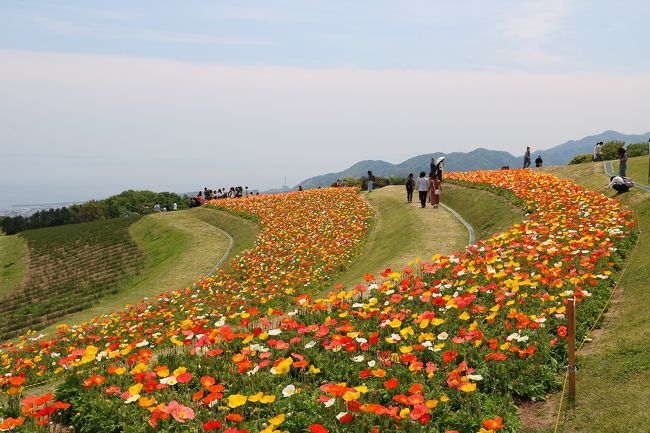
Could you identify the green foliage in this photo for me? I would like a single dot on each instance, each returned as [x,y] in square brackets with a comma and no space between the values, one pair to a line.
[637,149]
[610,149]
[396,180]
[141,202]
[379,182]
[609,152]
[126,203]
[92,411]
[352,181]
[581,159]
[91,211]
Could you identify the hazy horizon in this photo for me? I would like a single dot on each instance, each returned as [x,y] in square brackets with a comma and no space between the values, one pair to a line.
[98,98]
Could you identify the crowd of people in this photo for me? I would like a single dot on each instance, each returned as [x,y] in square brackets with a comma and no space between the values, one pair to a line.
[221,193]
[429,187]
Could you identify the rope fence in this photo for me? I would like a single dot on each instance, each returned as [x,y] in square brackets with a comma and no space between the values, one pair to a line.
[595,323]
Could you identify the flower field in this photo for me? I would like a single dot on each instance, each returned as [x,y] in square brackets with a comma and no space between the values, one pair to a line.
[443,345]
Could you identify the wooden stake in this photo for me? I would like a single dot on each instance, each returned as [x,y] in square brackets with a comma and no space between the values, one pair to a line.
[571,335]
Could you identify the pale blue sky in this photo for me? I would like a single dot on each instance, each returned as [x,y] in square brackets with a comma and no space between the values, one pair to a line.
[97,97]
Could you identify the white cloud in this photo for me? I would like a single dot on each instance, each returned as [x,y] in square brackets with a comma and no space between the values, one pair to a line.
[536,21]
[258,14]
[531,28]
[138,34]
[54,25]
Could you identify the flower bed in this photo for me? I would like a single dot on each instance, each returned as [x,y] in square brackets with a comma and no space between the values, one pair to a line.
[445,344]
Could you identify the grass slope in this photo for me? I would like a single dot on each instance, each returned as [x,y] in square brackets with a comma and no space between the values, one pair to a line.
[178,247]
[404,232]
[613,380]
[486,212]
[637,169]
[70,268]
[243,231]
[13,262]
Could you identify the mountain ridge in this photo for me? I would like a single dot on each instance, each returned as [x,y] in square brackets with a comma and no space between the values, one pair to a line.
[477,159]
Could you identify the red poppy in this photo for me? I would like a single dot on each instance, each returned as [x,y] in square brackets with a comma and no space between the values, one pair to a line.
[494,423]
[212,425]
[391,383]
[317,428]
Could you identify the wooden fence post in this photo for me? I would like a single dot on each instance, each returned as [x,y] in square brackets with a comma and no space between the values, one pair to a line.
[571,368]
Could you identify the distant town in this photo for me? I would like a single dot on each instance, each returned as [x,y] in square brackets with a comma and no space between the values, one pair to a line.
[29,209]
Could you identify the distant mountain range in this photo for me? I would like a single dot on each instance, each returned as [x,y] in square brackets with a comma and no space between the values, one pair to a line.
[478,159]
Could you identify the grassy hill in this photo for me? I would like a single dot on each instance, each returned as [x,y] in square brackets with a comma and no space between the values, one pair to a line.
[77,272]
[70,267]
[477,159]
[614,369]
[178,248]
[13,260]
[404,232]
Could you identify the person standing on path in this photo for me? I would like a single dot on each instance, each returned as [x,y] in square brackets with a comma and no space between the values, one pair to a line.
[622,155]
[434,190]
[527,157]
[439,168]
[423,187]
[598,152]
[371,180]
[410,186]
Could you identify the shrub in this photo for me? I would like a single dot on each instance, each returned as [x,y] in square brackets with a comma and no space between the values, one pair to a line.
[610,149]
[396,180]
[380,182]
[352,181]
[581,159]
[637,149]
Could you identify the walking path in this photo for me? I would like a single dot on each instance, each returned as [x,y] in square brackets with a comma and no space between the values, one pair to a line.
[609,170]
[402,233]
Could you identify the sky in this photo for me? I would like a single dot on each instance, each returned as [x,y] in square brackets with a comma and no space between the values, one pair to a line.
[97,97]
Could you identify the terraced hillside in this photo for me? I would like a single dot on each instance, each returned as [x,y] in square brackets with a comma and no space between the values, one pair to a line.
[70,267]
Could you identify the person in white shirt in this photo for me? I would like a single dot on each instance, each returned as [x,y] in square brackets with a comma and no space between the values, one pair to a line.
[617,183]
[598,155]
[423,186]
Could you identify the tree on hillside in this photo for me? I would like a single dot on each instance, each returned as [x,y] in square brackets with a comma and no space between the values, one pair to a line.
[582,158]
[91,211]
[14,225]
[138,201]
[610,149]
[637,149]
